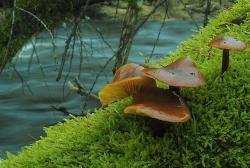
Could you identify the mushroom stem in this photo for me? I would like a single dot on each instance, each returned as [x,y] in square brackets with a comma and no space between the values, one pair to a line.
[225,60]
[158,127]
[175,89]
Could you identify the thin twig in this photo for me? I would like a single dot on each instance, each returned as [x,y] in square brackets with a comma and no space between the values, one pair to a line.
[70,64]
[97,77]
[66,51]
[32,55]
[63,110]
[41,67]
[207,13]
[91,48]
[73,33]
[44,25]
[148,16]
[81,90]
[116,8]
[159,32]
[102,37]
[99,73]
[22,80]
[81,58]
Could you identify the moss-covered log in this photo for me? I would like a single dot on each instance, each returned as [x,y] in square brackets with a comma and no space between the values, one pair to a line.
[216,136]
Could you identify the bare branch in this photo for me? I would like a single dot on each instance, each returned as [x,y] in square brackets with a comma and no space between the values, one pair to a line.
[22,79]
[149,15]
[102,37]
[44,25]
[73,33]
[81,90]
[159,33]
[81,58]
[70,64]
[41,67]
[207,13]
[116,8]
[97,77]
[32,55]
[63,110]
[99,73]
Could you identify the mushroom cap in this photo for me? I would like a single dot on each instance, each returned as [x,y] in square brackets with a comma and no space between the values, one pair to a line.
[181,73]
[128,70]
[124,88]
[159,104]
[226,42]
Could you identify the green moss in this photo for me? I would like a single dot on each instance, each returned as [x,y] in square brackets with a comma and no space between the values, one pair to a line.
[216,136]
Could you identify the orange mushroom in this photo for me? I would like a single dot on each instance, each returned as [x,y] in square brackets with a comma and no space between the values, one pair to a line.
[159,104]
[181,73]
[226,43]
[124,88]
[128,70]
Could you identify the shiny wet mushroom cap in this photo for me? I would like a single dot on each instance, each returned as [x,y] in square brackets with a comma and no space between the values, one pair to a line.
[226,42]
[128,70]
[181,73]
[124,88]
[159,104]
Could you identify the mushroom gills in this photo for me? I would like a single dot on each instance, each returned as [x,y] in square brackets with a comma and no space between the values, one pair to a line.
[124,88]
[160,104]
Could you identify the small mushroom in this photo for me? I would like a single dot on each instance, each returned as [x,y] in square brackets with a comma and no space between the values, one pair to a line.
[226,43]
[124,88]
[159,104]
[181,73]
[128,70]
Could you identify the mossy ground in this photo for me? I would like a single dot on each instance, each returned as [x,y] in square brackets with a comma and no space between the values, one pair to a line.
[217,135]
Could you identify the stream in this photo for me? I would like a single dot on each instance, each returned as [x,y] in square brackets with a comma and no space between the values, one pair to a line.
[27,94]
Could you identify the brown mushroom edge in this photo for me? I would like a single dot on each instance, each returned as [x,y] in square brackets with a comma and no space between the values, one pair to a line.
[159,104]
[124,88]
[226,43]
[181,73]
[128,70]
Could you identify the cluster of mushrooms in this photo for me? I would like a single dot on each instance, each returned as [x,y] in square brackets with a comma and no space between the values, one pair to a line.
[139,81]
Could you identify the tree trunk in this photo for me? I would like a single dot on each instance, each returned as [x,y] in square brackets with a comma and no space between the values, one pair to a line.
[207,13]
